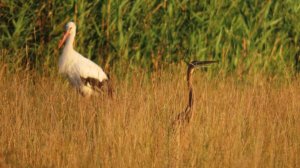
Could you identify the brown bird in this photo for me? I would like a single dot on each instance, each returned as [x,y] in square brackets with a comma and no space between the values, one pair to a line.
[187,114]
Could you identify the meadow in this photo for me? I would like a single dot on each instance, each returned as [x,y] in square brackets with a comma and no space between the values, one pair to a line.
[45,123]
[246,108]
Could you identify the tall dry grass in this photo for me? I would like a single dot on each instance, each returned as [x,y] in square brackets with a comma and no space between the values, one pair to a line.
[45,123]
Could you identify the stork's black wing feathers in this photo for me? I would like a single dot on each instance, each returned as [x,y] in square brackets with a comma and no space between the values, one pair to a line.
[94,83]
[97,85]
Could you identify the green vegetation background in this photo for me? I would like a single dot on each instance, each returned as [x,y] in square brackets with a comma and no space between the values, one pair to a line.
[247,36]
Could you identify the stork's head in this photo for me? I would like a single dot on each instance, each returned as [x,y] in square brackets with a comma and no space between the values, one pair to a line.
[70,30]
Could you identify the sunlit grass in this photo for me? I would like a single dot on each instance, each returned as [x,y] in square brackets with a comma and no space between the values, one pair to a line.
[45,123]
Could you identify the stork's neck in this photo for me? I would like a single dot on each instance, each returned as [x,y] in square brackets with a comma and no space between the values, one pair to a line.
[70,41]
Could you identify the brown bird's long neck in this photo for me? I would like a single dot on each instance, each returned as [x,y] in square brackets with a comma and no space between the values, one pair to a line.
[189,83]
[191,97]
[187,114]
[190,70]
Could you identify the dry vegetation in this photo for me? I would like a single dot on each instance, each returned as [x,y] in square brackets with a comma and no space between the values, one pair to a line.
[45,123]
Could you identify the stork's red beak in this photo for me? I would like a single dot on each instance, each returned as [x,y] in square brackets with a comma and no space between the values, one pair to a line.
[62,41]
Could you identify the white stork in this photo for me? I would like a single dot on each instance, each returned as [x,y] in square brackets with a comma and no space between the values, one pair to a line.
[84,74]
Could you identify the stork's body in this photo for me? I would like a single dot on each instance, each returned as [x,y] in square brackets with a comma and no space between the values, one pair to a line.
[83,74]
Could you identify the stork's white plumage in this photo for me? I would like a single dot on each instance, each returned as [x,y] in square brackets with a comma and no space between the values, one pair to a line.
[84,74]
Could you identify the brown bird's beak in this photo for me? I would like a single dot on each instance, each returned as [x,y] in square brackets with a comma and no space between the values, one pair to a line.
[62,41]
[201,63]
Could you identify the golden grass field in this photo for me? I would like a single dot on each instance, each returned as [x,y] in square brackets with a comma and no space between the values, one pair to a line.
[45,123]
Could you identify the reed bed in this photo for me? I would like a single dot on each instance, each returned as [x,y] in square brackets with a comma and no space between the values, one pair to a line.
[247,37]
